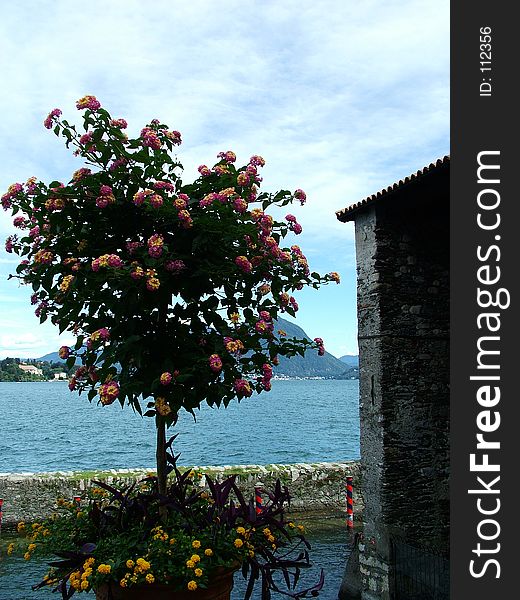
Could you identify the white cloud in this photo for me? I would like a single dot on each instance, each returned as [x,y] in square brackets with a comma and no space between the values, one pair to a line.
[342,98]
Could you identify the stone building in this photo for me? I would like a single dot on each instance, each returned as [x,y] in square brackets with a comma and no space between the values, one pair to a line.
[402,250]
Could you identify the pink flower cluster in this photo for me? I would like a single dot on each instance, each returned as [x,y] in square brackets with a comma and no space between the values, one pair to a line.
[240,205]
[294,226]
[257,161]
[118,162]
[80,174]
[166,378]
[174,266]
[90,102]
[221,169]
[85,140]
[140,197]
[108,392]
[243,179]
[106,197]
[204,170]
[137,271]
[20,222]
[119,123]
[321,347]
[64,352]
[301,196]
[181,202]
[185,219]
[150,138]
[267,376]
[264,327]
[107,260]
[100,335]
[82,373]
[132,247]
[233,346]
[12,191]
[30,185]
[156,200]
[174,137]
[9,243]
[242,388]
[243,263]
[53,204]
[51,118]
[43,257]
[164,185]
[155,245]
[229,156]
[215,363]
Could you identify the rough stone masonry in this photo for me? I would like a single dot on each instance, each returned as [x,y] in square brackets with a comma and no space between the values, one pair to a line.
[315,486]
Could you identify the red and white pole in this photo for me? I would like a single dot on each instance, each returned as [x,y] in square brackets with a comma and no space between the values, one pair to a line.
[350,503]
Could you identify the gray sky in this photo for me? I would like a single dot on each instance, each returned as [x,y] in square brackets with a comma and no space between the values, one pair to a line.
[341,98]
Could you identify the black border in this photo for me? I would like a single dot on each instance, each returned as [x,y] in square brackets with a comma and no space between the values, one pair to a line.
[480,123]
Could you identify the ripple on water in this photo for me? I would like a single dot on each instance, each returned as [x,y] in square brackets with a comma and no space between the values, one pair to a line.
[314,420]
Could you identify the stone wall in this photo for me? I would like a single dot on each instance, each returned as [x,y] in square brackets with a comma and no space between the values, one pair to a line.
[316,486]
[402,247]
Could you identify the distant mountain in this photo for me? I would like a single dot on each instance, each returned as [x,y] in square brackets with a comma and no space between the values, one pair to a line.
[311,365]
[51,357]
[350,359]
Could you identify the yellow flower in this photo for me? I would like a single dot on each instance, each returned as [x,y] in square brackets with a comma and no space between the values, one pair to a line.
[273,546]
[130,564]
[20,527]
[270,539]
[241,530]
[190,564]
[79,514]
[208,552]
[89,562]
[104,569]
[195,544]
[10,549]
[301,528]
[192,585]
[35,525]
[27,556]
[172,541]
[238,543]
[150,578]
[122,583]
[31,547]
[143,564]
[198,572]
[84,584]
[195,558]
[291,525]
[251,553]
[267,532]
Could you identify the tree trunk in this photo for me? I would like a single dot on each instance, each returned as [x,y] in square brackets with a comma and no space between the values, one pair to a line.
[160,456]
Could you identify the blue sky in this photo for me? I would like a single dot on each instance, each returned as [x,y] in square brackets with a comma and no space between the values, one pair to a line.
[340,97]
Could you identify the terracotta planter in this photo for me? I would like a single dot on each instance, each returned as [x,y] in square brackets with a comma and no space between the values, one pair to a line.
[220,589]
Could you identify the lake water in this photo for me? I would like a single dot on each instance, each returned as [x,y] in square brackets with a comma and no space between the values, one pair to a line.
[45,427]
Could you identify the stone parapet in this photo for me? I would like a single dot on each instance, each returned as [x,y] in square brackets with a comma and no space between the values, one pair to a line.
[313,486]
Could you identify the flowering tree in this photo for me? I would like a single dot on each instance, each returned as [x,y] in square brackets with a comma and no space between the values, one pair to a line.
[171,289]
